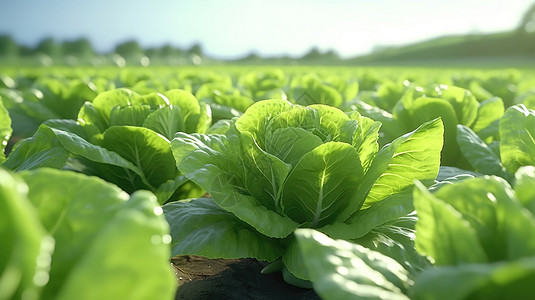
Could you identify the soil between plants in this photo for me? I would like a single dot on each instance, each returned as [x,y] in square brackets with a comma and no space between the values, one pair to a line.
[203,278]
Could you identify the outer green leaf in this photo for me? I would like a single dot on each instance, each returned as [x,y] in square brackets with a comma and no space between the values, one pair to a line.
[320,187]
[497,281]
[441,232]
[426,109]
[211,161]
[219,127]
[517,134]
[524,183]
[504,228]
[166,190]
[341,270]
[489,111]
[200,227]
[5,130]
[446,172]
[363,221]
[90,116]
[415,155]
[395,239]
[85,132]
[94,226]
[41,150]
[26,248]
[147,150]
[365,138]
[294,261]
[78,146]
[205,118]
[166,121]
[479,155]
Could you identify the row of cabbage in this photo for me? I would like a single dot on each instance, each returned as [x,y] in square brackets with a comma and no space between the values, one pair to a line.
[354,186]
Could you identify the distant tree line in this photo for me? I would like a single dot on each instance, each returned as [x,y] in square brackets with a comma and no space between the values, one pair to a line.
[82,48]
[130,50]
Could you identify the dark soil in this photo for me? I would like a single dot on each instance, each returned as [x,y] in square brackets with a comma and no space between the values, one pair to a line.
[202,278]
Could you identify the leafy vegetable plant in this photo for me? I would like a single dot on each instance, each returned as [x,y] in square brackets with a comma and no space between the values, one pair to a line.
[515,148]
[121,136]
[69,236]
[280,167]
[479,234]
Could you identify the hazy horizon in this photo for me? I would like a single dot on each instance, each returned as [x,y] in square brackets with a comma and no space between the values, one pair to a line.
[233,28]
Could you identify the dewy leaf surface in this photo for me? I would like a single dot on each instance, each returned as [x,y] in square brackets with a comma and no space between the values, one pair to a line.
[25,242]
[96,226]
[502,280]
[5,130]
[201,227]
[524,183]
[517,137]
[320,186]
[341,270]
[43,149]
[364,220]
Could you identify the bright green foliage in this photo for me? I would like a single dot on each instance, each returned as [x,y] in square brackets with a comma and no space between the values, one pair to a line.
[265,84]
[5,130]
[515,148]
[40,150]
[453,104]
[309,89]
[482,158]
[497,281]
[219,227]
[479,235]
[26,246]
[282,166]
[225,101]
[94,226]
[517,134]
[489,114]
[122,137]
[342,270]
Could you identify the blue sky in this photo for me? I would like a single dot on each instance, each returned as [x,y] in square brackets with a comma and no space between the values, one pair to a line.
[234,28]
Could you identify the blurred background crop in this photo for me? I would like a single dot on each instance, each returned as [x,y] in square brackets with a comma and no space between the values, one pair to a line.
[297,32]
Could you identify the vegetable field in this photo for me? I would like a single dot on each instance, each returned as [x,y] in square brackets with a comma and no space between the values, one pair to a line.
[349,183]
